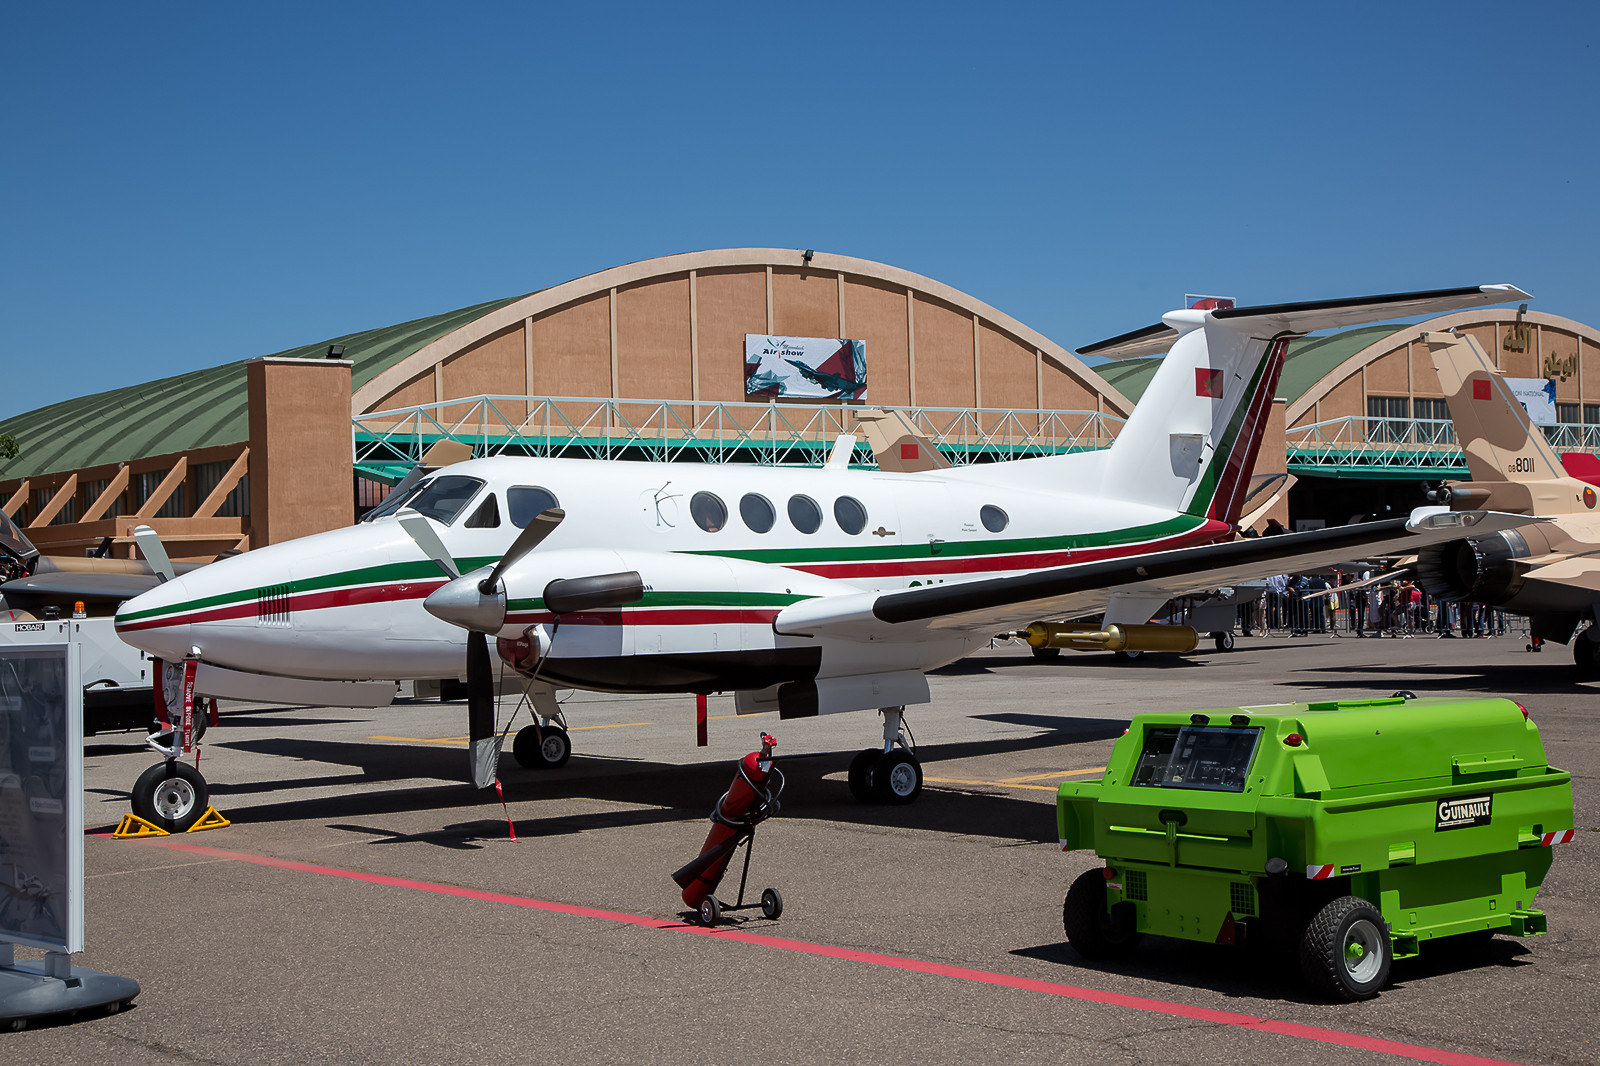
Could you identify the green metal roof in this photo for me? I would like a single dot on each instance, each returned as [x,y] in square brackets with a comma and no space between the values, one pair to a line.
[199,409]
[1309,360]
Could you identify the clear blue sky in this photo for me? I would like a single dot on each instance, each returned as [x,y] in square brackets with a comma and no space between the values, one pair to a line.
[187,184]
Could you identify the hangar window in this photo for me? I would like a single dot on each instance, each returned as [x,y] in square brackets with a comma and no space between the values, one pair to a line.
[527,502]
[1389,419]
[850,514]
[487,516]
[757,512]
[994,519]
[708,512]
[444,498]
[805,514]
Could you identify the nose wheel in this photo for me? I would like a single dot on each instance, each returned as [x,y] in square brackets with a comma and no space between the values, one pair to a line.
[171,795]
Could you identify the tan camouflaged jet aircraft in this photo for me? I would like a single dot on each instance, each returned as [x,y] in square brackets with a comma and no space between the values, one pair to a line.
[1549,571]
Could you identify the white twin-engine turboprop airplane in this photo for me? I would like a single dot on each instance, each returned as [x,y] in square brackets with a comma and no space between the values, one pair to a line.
[808,590]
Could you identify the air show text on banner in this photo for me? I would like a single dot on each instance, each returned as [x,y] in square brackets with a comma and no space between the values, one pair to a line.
[804,368]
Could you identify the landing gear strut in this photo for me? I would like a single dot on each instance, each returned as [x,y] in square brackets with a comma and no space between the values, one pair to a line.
[891,774]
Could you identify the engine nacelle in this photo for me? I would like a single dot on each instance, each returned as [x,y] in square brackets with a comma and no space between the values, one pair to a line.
[1479,570]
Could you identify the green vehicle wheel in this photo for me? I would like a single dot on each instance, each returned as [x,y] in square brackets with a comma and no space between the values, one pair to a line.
[1345,951]
[1094,932]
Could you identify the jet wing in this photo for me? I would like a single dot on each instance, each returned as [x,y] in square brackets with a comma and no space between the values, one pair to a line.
[997,604]
[81,586]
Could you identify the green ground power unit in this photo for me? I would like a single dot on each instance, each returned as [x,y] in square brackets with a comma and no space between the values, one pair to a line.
[1349,831]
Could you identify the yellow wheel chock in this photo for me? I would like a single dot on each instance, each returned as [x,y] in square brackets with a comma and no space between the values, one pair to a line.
[132,827]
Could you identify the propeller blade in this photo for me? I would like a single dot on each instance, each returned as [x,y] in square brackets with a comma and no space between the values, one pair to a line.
[544,523]
[483,749]
[154,552]
[418,529]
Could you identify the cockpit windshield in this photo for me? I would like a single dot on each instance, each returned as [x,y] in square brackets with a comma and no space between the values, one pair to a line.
[393,502]
[443,498]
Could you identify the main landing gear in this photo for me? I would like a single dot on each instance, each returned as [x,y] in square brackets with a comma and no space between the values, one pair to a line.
[891,774]
[544,745]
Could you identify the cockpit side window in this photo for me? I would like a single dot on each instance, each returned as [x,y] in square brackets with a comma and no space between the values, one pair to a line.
[487,516]
[527,502]
[444,498]
[393,503]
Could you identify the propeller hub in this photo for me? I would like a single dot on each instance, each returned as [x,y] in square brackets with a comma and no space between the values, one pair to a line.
[462,603]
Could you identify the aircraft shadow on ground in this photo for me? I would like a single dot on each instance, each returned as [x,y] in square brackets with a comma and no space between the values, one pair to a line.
[1431,679]
[989,664]
[1246,974]
[661,792]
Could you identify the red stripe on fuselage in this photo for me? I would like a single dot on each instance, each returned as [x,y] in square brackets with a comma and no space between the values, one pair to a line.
[649,616]
[305,601]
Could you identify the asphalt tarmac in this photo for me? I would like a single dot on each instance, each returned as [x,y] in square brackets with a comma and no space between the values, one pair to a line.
[365,907]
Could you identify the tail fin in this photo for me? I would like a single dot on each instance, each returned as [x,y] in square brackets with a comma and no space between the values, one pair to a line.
[1494,429]
[1513,467]
[1191,443]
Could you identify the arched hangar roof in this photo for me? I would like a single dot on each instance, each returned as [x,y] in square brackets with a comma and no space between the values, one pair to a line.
[208,407]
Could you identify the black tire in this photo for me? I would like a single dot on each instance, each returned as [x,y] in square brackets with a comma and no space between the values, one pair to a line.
[897,779]
[170,795]
[772,904]
[1224,640]
[1094,932]
[1586,655]
[1345,951]
[710,911]
[1128,656]
[1046,654]
[549,752]
[861,774]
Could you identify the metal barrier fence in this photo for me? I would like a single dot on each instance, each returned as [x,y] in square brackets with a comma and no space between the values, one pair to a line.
[671,430]
[1386,611]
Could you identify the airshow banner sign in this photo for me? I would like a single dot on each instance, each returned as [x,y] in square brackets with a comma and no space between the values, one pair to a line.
[41,797]
[1538,395]
[804,368]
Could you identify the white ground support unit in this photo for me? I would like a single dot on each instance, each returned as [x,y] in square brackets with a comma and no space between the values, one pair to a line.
[116,678]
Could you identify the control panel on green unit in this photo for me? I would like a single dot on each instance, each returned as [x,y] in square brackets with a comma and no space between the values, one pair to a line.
[1194,756]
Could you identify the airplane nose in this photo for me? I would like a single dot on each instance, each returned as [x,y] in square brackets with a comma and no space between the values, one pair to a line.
[461,603]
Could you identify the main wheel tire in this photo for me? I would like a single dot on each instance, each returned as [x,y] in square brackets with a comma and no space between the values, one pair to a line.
[861,774]
[547,752]
[1224,640]
[1128,656]
[1093,931]
[1586,655]
[897,778]
[1046,654]
[772,904]
[1345,951]
[171,795]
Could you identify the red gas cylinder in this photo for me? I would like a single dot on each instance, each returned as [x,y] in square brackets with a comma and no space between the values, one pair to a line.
[735,817]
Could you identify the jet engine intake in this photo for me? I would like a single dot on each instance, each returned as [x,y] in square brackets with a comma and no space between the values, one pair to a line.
[1479,570]
[1082,636]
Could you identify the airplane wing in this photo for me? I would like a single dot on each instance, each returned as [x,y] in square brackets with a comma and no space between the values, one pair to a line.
[997,604]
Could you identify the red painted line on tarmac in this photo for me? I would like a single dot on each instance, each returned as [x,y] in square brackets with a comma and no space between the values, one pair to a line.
[938,969]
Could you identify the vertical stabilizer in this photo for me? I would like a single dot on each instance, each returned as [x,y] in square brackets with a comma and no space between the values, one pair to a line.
[1501,441]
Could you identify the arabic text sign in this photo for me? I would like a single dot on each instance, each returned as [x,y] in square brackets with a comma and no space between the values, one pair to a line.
[41,797]
[804,368]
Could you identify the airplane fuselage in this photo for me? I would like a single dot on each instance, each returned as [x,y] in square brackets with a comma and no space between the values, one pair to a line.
[721,548]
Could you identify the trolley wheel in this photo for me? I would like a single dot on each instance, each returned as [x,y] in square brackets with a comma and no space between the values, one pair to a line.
[1345,951]
[550,752]
[1224,640]
[710,911]
[861,774]
[897,778]
[1045,654]
[771,904]
[1128,656]
[1093,931]
[171,795]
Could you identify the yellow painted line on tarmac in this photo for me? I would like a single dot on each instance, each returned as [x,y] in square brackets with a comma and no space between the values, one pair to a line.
[1016,782]
[755,714]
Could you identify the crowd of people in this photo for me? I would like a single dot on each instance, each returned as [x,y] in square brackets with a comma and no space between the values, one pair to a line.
[1314,603]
